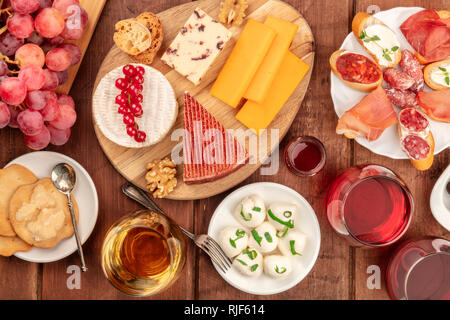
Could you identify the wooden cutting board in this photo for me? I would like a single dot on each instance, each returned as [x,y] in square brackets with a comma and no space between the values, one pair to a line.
[94,9]
[131,162]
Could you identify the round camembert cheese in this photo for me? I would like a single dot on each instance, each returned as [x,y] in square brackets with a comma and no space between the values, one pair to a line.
[159,105]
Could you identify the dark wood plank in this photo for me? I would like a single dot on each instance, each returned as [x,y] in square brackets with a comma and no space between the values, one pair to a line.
[316,117]
[420,183]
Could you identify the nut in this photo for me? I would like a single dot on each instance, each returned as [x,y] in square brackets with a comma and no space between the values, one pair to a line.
[161,177]
[233,11]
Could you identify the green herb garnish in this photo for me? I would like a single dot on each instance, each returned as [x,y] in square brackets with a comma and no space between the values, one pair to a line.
[288,224]
[447,80]
[283,234]
[277,270]
[239,234]
[251,253]
[268,237]
[443,69]
[257,209]
[292,245]
[395,48]
[241,262]
[256,236]
[243,215]
[287,214]
[253,267]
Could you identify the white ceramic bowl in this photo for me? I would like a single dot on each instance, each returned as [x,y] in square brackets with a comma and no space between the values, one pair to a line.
[41,164]
[307,223]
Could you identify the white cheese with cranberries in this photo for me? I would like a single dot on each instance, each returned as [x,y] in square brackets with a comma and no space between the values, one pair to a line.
[159,105]
[196,46]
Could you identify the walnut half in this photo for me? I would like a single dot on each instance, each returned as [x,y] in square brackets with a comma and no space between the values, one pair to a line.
[232,11]
[161,177]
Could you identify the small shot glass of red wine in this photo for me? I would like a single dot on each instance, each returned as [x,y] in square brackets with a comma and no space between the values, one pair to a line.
[305,156]
[420,270]
[370,206]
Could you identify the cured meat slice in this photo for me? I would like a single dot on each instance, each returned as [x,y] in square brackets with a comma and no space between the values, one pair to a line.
[368,118]
[209,150]
[436,104]
[398,79]
[416,147]
[413,121]
[428,34]
[401,99]
[411,66]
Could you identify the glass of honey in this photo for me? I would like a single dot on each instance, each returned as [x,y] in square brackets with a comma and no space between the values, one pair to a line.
[305,156]
[143,253]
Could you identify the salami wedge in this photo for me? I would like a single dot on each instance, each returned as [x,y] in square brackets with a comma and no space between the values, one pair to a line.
[398,79]
[411,66]
[401,98]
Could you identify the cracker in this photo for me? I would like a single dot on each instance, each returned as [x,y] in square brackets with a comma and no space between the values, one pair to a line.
[10,245]
[10,179]
[152,22]
[40,228]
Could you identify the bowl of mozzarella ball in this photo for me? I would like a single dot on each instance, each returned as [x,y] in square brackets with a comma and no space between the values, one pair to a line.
[266,241]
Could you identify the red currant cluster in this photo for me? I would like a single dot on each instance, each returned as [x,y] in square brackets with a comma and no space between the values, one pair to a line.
[129,100]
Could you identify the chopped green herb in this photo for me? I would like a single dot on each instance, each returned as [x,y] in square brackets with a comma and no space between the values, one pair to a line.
[257,209]
[241,262]
[254,267]
[363,35]
[268,237]
[395,48]
[243,215]
[277,270]
[239,234]
[251,253]
[288,224]
[292,244]
[443,69]
[256,237]
[283,234]
[287,214]
[447,80]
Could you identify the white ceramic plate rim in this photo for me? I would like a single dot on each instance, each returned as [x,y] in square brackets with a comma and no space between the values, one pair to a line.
[310,212]
[58,158]
[335,83]
[438,208]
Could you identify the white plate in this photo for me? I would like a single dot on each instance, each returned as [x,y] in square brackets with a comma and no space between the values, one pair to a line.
[41,164]
[344,97]
[440,200]
[308,224]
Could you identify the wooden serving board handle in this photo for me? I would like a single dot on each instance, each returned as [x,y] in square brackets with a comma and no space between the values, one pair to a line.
[94,9]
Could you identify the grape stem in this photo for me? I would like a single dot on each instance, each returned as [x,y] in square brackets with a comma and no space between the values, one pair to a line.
[7,59]
[7,10]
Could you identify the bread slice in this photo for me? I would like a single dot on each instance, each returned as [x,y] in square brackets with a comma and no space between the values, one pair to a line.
[354,85]
[132,36]
[434,67]
[363,20]
[154,25]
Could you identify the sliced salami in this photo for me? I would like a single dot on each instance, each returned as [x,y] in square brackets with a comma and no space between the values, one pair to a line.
[398,79]
[413,120]
[401,98]
[411,66]
[416,147]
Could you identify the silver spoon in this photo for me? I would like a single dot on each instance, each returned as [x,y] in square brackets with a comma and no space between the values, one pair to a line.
[64,179]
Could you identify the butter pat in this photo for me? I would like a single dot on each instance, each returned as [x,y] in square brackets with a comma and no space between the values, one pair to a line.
[196,46]
[258,116]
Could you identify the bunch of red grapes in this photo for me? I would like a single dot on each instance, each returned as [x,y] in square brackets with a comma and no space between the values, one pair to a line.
[129,100]
[34,61]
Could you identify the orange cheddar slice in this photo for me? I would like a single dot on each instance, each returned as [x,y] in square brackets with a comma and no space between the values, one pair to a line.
[258,116]
[243,62]
[260,85]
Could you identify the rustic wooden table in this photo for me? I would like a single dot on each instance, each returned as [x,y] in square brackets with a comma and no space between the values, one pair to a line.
[340,271]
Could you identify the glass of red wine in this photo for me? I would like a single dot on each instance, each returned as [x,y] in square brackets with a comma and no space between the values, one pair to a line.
[420,270]
[370,206]
[305,156]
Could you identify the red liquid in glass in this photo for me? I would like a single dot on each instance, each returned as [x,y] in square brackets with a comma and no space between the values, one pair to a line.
[306,156]
[430,278]
[376,210]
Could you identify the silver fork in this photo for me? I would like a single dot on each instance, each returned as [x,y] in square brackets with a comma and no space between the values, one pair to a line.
[205,242]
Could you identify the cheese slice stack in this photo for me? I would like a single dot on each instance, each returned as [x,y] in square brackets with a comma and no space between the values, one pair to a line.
[258,116]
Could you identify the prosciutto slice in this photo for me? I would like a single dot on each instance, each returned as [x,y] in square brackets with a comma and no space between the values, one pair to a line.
[436,104]
[369,118]
[428,34]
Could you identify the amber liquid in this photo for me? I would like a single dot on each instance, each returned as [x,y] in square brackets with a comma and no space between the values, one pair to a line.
[144,253]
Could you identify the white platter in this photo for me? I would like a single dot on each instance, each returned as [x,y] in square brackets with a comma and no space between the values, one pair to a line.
[41,164]
[307,223]
[344,97]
